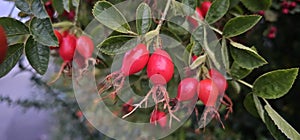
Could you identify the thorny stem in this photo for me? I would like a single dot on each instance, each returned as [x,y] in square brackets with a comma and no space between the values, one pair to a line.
[11,11]
[163,16]
[245,83]
[76,13]
[167,100]
[64,64]
[141,102]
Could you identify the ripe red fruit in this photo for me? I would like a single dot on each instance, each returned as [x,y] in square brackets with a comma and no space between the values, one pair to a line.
[66,52]
[50,10]
[127,107]
[285,4]
[3,45]
[285,10]
[187,89]
[208,92]
[135,60]
[59,38]
[193,22]
[160,70]
[160,67]
[205,7]
[261,12]
[219,80]
[85,46]
[79,114]
[199,13]
[158,117]
[271,35]
[65,33]
[292,4]
[67,48]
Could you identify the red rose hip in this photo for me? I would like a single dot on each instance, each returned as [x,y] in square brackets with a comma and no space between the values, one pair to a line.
[187,89]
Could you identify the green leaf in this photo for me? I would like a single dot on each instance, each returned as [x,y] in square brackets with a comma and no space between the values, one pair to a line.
[11,59]
[217,10]
[58,5]
[178,25]
[110,16]
[199,61]
[42,31]
[13,27]
[249,104]
[275,84]
[37,55]
[256,5]
[23,5]
[246,57]
[238,72]
[282,124]
[224,54]
[143,18]
[259,107]
[239,25]
[276,133]
[117,44]
[38,9]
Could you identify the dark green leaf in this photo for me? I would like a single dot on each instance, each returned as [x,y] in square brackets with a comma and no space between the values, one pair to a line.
[117,44]
[13,27]
[282,124]
[42,31]
[143,18]
[275,84]
[246,57]
[190,3]
[238,72]
[217,10]
[38,9]
[259,107]
[182,9]
[198,35]
[239,25]
[58,6]
[11,59]
[256,5]
[196,48]
[249,104]
[110,16]
[225,55]
[23,5]
[178,25]
[276,133]
[37,55]
[233,3]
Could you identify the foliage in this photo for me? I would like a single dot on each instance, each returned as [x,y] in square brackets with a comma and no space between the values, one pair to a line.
[229,19]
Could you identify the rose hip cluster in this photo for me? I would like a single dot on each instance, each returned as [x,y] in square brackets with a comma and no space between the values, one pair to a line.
[287,6]
[68,45]
[209,91]
[160,70]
